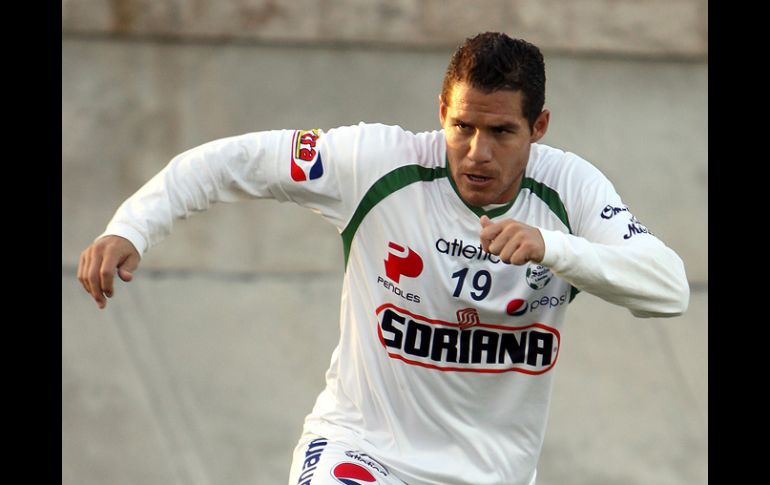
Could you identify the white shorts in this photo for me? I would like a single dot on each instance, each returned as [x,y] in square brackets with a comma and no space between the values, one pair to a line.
[318,461]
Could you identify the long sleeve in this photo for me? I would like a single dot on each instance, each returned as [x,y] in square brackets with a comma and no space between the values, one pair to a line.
[646,277]
[224,170]
[604,249]
[326,172]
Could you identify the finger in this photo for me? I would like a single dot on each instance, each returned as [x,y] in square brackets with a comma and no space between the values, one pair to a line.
[107,272]
[87,270]
[94,280]
[520,256]
[127,267]
[82,270]
[508,250]
[485,221]
[125,275]
[488,234]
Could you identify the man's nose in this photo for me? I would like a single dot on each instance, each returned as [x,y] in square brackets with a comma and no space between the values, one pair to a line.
[481,148]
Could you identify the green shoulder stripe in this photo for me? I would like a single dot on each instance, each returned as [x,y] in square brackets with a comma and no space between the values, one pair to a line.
[549,196]
[391,182]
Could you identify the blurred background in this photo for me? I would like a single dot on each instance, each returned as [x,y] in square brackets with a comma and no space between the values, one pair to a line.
[201,370]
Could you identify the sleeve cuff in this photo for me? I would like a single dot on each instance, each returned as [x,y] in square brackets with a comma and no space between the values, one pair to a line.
[554,246]
[126,232]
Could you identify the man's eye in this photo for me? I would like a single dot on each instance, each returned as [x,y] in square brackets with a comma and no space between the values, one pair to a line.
[462,126]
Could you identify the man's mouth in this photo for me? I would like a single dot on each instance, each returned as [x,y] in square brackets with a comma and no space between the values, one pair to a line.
[477,178]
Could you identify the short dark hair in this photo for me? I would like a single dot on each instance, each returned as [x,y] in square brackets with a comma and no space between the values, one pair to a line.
[492,61]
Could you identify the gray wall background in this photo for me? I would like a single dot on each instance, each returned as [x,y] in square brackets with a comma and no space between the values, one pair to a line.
[202,369]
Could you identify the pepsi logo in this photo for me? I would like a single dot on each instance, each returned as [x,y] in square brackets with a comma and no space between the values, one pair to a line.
[517,307]
[352,474]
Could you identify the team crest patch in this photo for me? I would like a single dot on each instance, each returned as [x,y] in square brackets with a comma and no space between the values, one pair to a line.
[538,276]
[306,163]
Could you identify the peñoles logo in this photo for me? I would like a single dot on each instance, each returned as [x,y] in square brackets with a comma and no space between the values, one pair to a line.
[444,346]
[403,263]
[306,161]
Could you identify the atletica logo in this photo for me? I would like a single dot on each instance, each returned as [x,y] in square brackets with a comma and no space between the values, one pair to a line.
[305,159]
[368,461]
[441,345]
[459,249]
[467,317]
[402,262]
[538,276]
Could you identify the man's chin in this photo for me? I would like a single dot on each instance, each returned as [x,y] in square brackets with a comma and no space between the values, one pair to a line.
[476,198]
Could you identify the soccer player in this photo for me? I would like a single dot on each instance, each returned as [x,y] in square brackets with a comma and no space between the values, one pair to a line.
[463,248]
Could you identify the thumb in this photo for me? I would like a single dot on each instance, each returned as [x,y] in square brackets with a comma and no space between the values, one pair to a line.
[125,275]
[127,267]
[485,221]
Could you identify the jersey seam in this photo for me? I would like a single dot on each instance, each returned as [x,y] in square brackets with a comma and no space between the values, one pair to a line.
[400,178]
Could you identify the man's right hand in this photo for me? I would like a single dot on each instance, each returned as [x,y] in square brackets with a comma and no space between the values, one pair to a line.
[99,262]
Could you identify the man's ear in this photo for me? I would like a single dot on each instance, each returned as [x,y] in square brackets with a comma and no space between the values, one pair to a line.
[541,126]
[441,109]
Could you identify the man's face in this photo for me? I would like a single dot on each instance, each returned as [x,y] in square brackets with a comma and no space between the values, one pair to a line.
[488,140]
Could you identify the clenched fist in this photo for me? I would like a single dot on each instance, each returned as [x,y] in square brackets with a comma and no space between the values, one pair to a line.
[512,241]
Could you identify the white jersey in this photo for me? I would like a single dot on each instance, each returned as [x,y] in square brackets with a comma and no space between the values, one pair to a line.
[446,355]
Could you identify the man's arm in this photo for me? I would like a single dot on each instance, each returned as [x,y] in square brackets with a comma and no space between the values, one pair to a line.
[225,170]
[314,169]
[605,250]
[646,277]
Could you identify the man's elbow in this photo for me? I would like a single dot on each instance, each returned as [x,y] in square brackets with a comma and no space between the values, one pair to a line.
[673,303]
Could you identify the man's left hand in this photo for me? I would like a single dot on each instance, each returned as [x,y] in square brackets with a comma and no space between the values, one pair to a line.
[513,241]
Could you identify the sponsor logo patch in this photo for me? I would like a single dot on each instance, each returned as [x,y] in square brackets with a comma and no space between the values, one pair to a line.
[402,262]
[467,317]
[352,474]
[610,211]
[445,346]
[459,249]
[538,276]
[312,457]
[636,227]
[368,461]
[306,163]
[518,307]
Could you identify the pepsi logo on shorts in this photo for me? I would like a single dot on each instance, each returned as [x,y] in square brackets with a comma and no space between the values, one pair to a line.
[352,474]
